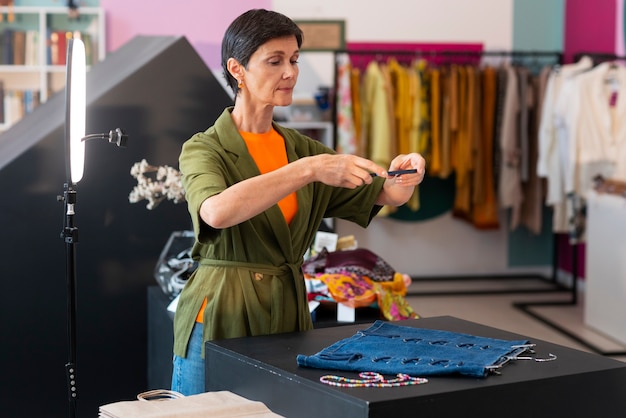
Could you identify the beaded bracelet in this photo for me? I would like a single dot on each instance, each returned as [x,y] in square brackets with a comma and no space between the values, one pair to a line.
[372,380]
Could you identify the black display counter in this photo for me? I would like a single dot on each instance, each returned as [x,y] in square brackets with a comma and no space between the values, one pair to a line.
[160,339]
[264,368]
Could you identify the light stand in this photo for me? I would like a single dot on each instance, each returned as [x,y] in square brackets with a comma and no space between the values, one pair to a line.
[75,111]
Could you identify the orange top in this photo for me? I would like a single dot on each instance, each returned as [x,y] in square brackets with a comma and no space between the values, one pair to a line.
[268,152]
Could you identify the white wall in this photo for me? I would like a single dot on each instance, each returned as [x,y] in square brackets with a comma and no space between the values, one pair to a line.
[442,246]
[477,21]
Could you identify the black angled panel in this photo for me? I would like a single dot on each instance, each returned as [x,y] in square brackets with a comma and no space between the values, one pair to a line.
[161,92]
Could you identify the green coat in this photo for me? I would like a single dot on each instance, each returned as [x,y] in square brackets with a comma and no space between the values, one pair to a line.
[251,273]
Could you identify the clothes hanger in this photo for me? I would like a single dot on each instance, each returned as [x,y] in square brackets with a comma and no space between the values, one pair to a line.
[521,349]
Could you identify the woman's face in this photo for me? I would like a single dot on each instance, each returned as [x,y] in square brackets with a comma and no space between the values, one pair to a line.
[272,72]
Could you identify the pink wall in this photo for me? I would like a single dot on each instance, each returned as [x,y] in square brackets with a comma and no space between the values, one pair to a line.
[590,26]
[619,27]
[203,22]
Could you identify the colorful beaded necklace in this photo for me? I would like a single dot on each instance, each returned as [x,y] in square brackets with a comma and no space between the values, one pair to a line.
[372,380]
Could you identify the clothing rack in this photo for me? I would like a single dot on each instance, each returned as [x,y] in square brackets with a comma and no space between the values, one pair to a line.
[446,56]
[458,52]
[456,56]
[576,231]
[556,56]
[522,57]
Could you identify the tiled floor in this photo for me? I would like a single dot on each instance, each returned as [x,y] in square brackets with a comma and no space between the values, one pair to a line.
[493,302]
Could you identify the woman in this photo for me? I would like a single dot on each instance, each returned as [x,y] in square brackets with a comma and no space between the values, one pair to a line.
[257,193]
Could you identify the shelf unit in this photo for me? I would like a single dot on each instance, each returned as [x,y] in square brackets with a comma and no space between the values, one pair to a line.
[319,130]
[38,75]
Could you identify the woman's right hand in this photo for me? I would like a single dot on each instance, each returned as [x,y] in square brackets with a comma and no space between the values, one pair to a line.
[343,170]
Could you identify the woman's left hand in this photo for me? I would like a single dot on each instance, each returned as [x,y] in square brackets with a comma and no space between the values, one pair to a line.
[398,189]
[406,162]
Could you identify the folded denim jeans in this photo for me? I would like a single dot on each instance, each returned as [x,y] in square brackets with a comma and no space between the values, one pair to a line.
[391,349]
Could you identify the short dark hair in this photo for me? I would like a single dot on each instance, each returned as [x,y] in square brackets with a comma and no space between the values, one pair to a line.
[251,30]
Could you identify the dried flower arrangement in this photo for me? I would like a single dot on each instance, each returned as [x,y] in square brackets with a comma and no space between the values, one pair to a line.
[155,184]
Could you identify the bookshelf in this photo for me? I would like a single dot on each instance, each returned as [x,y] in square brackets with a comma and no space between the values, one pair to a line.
[33,51]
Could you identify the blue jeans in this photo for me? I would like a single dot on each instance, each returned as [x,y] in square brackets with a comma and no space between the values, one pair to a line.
[388,348]
[188,373]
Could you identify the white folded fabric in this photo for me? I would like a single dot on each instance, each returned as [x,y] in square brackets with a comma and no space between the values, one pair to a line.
[213,404]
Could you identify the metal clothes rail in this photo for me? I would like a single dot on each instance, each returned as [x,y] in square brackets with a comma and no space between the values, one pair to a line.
[598,57]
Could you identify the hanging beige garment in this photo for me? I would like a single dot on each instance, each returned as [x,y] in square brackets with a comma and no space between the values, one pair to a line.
[378,124]
[533,189]
[377,115]
[510,191]
[391,149]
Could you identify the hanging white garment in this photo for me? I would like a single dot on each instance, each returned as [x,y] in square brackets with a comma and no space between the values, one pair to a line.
[509,184]
[598,133]
[553,130]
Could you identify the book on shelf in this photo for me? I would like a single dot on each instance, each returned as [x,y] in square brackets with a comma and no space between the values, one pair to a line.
[19,47]
[7,47]
[22,47]
[15,104]
[57,45]
[31,52]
